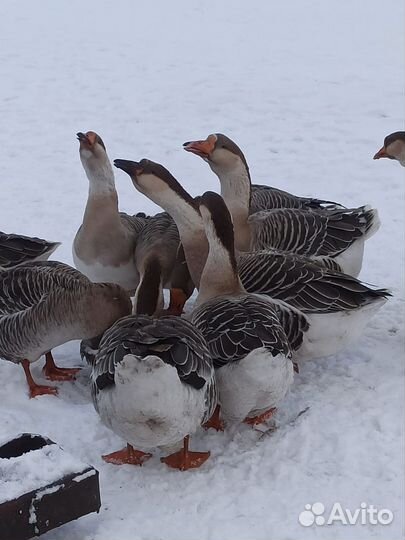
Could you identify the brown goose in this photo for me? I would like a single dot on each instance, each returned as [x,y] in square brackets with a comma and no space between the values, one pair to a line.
[394,147]
[338,306]
[105,243]
[336,233]
[46,304]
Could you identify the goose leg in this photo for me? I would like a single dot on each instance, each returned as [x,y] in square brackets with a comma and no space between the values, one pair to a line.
[36,389]
[184,459]
[127,456]
[55,373]
[215,420]
[256,420]
[177,300]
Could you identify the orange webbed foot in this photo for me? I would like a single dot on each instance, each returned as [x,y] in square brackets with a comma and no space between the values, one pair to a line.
[184,459]
[215,421]
[256,420]
[127,456]
[42,390]
[55,373]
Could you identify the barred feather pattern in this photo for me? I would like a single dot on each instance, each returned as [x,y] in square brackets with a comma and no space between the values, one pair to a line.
[45,304]
[309,233]
[302,283]
[269,198]
[16,249]
[235,326]
[174,340]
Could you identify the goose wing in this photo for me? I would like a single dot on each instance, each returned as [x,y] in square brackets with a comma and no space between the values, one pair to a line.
[16,249]
[235,326]
[303,283]
[311,233]
[268,198]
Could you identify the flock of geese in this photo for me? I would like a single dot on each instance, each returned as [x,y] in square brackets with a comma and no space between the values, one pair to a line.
[276,276]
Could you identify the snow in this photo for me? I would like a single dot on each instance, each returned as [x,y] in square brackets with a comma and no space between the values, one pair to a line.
[36,469]
[308,90]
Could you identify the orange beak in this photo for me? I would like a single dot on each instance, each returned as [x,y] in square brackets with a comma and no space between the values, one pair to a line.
[201,148]
[381,153]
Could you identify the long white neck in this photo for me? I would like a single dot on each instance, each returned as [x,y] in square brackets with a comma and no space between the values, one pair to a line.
[235,190]
[220,276]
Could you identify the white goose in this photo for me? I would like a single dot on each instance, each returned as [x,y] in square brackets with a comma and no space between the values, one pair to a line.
[153,383]
[394,147]
[16,249]
[337,306]
[337,233]
[46,304]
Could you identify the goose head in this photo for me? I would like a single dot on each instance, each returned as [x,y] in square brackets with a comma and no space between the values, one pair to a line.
[394,147]
[93,156]
[220,152]
[158,184]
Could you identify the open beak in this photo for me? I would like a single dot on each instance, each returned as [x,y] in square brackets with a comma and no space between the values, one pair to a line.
[381,153]
[82,137]
[200,148]
[133,168]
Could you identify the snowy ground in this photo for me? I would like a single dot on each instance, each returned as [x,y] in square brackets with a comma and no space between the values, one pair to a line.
[308,90]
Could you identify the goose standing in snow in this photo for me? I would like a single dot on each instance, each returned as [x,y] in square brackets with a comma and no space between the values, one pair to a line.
[250,337]
[337,233]
[338,306]
[394,147]
[153,382]
[16,249]
[46,304]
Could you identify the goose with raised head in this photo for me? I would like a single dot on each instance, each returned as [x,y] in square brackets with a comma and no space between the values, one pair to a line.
[104,246]
[46,304]
[16,249]
[338,306]
[153,382]
[394,147]
[337,233]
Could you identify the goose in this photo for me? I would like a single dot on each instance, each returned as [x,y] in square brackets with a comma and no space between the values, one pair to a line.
[153,382]
[46,304]
[104,245]
[249,336]
[337,306]
[113,246]
[338,233]
[16,249]
[394,147]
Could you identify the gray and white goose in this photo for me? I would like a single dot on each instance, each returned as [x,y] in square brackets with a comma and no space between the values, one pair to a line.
[17,249]
[251,338]
[338,306]
[153,382]
[394,147]
[46,304]
[337,233]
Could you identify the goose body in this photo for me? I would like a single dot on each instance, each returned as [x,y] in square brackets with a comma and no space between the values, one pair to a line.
[16,249]
[338,233]
[43,305]
[153,381]
[337,306]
